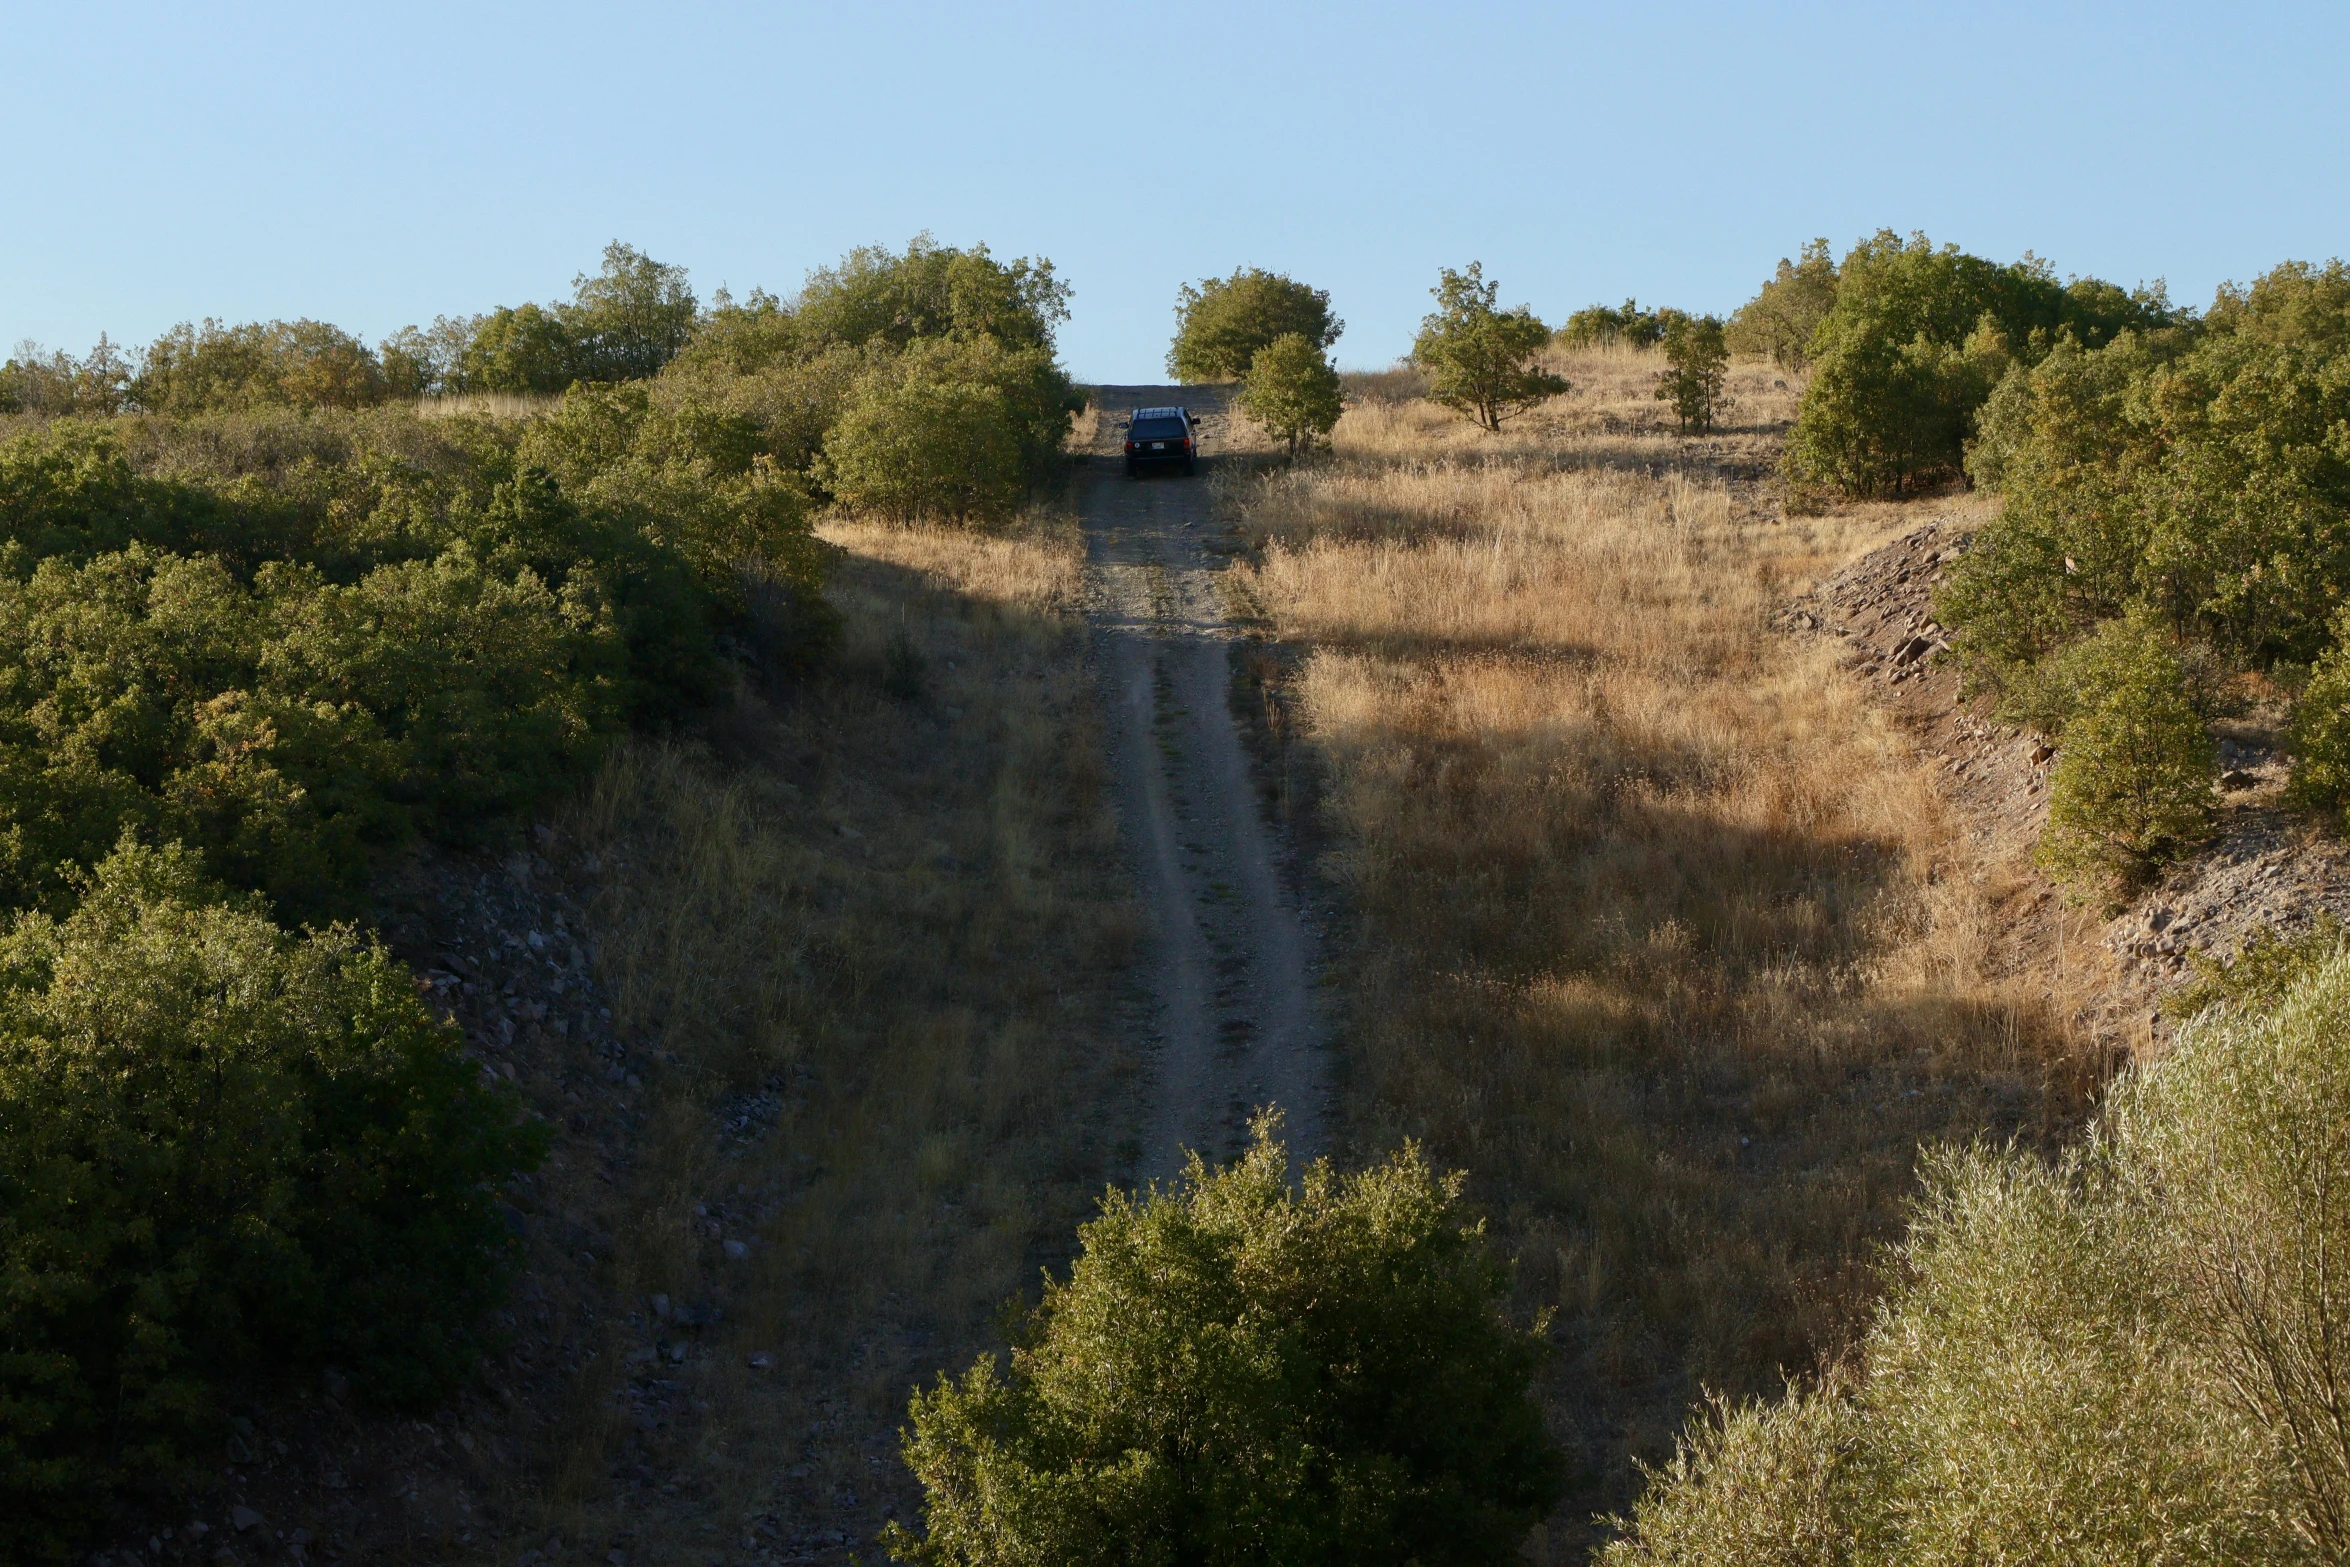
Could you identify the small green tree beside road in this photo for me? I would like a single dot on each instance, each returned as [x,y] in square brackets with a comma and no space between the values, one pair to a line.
[2134,779]
[1293,392]
[1221,323]
[1700,363]
[1480,358]
[1237,1371]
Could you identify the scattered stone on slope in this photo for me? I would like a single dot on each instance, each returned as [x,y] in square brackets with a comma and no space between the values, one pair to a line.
[2265,866]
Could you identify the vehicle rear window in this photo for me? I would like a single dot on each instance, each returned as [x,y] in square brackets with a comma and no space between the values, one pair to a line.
[1157,430]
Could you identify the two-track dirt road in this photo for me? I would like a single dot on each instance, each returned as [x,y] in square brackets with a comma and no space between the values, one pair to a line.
[1235,1020]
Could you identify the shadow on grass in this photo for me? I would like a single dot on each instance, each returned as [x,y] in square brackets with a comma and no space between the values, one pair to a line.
[876,932]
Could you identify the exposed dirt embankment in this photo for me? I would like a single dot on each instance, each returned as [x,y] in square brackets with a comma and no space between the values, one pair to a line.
[2266,866]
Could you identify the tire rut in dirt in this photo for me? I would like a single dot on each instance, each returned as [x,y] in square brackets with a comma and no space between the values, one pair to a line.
[1234,1020]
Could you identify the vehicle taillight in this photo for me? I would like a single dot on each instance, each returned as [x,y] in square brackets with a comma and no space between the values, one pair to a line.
[1187,443]
[1130,446]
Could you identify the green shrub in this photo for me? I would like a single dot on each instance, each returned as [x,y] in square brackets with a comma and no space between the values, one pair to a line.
[630,318]
[1038,398]
[56,383]
[1755,1485]
[1881,413]
[1480,358]
[1780,321]
[916,449]
[691,475]
[874,298]
[70,489]
[223,1151]
[1700,367]
[290,727]
[2032,1398]
[518,349]
[2134,776]
[323,650]
[1293,392]
[1914,343]
[2238,1145]
[304,363]
[791,402]
[2136,1355]
[2268,966]
[2197,476]
[2321,728]
[1222,324]
[624,323]
[2068,548]
[1237,1370]
[1627,323]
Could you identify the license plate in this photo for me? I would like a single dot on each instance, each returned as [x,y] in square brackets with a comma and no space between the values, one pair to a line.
[1158,446]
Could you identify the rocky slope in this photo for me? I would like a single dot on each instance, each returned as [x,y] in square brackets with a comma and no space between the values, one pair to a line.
[2266,865]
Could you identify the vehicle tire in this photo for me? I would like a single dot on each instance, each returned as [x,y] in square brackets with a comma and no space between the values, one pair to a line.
[1133,470]
[1190,465]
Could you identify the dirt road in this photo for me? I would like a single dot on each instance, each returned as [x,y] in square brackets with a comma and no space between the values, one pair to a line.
[1235,1021]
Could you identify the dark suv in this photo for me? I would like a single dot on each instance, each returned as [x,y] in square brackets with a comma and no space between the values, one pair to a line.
[1161,435]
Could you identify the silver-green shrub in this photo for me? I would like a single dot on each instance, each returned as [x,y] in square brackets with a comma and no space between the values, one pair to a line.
[2139,1353]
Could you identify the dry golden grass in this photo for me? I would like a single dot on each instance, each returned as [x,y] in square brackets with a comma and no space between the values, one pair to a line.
[891,932]
[1665,936]
[495,405]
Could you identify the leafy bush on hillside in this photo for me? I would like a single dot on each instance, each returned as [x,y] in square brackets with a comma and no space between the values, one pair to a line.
[516,348]
[221,1146]
[1779,322]
[2204,477]
[2136,771]
[621,324]
[2321,728]
[1479,357]
[289,681]
[875,297]
[256,611]
[836,385]
[1293,392]
[1625,323]
[1700,367]
[302,363]
[2196,475]
[1237,1370]
[959,427]
[55,383]
[2135,1355]
[1914,343]
[1222,324]
[913,448]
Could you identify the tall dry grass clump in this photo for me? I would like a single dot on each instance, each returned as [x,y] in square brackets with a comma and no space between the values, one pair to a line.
[487,405]
[1665,936]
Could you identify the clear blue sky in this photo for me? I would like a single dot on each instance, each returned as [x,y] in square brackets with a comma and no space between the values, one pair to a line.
[378,165]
